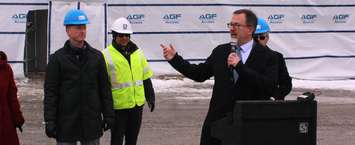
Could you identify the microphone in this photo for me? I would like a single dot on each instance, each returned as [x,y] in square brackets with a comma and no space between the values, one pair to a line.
[234,45]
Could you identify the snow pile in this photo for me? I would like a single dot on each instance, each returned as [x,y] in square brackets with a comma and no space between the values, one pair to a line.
[183,85]
[162,85]
[331,85]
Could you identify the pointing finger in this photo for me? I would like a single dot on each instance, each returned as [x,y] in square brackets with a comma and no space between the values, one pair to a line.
[162,46]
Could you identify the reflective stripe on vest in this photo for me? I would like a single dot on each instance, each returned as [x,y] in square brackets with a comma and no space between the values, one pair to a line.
[126,85]
[114,83]
[111,70]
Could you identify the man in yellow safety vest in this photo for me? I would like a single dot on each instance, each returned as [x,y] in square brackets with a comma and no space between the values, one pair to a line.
[130,78]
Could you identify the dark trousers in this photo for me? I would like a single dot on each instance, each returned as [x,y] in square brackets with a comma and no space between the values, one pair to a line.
[127,126]
[91,142]
[206,137]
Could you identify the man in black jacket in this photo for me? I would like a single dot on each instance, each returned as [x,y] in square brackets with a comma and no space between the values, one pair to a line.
[248,74]
[284,82]
[77,92]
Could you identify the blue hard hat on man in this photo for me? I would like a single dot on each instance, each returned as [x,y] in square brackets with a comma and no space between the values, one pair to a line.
[262,26]
[76,17]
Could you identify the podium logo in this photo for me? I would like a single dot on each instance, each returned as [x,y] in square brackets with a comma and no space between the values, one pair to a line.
[208,18]
[308,18]
[303,127]
[276,18]
[19,18]
[341,18]
[172,18]
[136,18]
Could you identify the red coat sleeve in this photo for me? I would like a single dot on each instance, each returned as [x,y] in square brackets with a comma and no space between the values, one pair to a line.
[13,101]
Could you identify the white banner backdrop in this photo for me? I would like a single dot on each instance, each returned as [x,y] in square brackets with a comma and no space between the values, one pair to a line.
[13,47]
[316,38]
[12,31]
[307,35]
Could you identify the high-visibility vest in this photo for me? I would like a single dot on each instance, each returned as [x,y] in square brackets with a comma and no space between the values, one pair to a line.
[127,80]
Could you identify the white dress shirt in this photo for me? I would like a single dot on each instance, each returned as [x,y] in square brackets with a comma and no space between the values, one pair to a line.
[245,50]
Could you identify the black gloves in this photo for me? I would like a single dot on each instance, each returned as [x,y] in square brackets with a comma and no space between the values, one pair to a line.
[149,94]
[51,129]
[108,123]
[19,126]
[19,122]
[151,105]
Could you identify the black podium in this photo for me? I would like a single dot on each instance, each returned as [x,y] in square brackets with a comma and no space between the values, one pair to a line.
[268,123]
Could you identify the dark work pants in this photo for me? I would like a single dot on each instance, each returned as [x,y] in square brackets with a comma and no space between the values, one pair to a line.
[127,126]
[206,137]
[91,142]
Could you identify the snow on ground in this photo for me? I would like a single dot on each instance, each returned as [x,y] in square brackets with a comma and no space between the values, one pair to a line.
[161,85]
[331,85]
[186,85]
[203,91]
[331,92]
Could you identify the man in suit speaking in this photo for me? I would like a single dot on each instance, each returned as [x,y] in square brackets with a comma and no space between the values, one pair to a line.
[242,70]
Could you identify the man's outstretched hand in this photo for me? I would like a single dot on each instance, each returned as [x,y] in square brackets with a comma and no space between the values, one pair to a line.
[168,51]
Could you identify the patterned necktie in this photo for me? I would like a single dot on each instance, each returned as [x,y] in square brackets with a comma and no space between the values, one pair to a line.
[235,73]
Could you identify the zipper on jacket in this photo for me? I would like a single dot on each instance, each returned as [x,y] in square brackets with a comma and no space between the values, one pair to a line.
[81,108]
[134,83]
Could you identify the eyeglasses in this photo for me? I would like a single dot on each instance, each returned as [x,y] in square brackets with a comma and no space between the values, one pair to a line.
[236,25]
[262,37]
[123,35]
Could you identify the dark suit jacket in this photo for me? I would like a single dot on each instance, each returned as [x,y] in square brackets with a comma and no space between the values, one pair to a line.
[257,78]
[284,83]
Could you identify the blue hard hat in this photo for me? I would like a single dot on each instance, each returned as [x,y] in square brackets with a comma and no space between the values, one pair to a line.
[262,26]
[76,17]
